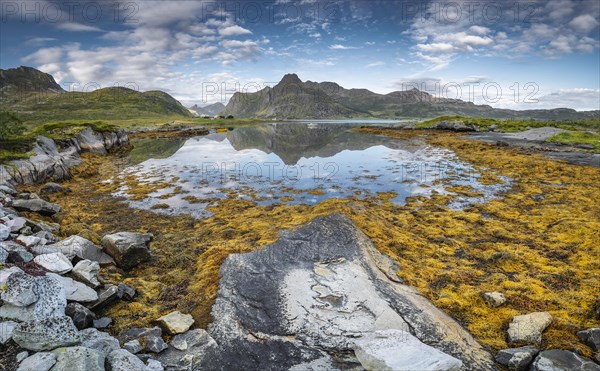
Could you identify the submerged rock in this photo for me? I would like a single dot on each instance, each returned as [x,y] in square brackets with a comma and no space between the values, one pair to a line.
[127,248]
[311,296]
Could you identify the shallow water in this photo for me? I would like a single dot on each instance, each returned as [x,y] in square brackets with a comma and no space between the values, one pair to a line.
[294,163]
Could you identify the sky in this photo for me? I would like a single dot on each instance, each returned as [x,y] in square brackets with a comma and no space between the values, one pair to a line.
[510,54]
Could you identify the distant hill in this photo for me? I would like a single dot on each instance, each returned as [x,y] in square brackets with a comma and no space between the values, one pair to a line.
[36,98]
[292,98]
[210,110]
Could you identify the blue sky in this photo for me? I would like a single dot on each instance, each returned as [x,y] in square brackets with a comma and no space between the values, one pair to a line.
[521,55]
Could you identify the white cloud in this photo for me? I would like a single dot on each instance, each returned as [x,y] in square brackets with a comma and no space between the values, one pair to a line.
[375,64]
[341,47]
[78,27]
[584,23]
[234,31]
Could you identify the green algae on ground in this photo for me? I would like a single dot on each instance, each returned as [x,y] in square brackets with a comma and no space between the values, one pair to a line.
[538,244]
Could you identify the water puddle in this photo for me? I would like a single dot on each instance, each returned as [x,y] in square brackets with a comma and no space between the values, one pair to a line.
[293,163]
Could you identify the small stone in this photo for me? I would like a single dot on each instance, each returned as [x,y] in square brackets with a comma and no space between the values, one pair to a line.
[528,328]
[87,272]
[21,356]
[494,299]
[558,360]
[125,292]
[179,342]
[128,249]
[106,296]
[54,262]
[122,360]
[5,273]
[591,337]
[154,344]
[102,323]
[3,255]
[517,358]
[176,322]
[15,224]
[78,359]
[6,330]
[4,232]
[133,346]
[42,361]
[7,189]
[82,317]
[154,365]
[29,241]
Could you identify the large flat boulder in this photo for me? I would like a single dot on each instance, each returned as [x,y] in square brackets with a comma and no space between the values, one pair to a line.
[562,360]
[36,205]
[310,297]
[46,334]
[82,249]
[127,248]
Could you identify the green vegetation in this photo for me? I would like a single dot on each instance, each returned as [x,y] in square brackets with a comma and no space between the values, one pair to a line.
[13,145]
[578,137]
[110,104]
[68,129]
[512,125]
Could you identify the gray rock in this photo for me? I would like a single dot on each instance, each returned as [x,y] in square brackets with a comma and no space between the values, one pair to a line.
[51,188]
[29,241]
[122,360]
[3,255]
[102,323]
[125,292]
[7,272]
[36,205]
[149,338]
[81,316]
[54,262]
[16,252]
[78,359]
[76,246]
[98,340]
[8,190]
[20,290]
[42,361]
[4,232]
[52,298]
[591,337]
[128,249]
[6,329]
[21,314]
[21,356]
[154,365]
[175,322]
[187,350]
[517,358]
[15,223]
[528,328]
[562,360]
[133,346]
[311,294]
[46,334]
[76,291]
[399,350]
[106,296]
[86,271]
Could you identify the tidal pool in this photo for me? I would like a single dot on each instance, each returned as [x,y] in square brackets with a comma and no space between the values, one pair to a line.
[293,163]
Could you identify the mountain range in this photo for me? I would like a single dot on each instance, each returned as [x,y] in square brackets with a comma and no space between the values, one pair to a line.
[292,98]
[210,110]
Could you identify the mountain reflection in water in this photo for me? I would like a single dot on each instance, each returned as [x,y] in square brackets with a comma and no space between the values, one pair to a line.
[292,163]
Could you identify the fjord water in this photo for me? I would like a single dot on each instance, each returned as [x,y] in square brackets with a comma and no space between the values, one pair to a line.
[291,163]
